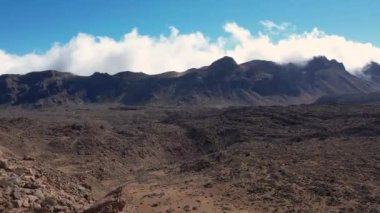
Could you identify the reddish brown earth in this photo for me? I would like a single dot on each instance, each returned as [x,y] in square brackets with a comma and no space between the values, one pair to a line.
[251,159]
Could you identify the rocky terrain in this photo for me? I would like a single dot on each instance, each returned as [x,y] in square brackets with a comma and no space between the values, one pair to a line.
[27,186]
[221,84]
[110,158]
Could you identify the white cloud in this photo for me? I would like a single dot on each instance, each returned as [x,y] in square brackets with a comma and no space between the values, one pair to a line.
[270,26]
[86,53]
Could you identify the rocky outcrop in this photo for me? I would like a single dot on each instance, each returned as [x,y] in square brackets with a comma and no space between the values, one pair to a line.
[113,202]
[25,187]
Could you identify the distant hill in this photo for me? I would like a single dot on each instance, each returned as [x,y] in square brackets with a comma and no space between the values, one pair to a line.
[223,83]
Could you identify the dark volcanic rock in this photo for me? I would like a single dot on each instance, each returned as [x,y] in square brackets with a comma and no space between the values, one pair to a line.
[223,83]
[372,98]
[373,72]
[112,203]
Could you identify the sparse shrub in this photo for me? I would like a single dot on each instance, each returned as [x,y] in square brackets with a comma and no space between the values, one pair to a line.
[49,201]
[256,190]
[196,166]
[6,182]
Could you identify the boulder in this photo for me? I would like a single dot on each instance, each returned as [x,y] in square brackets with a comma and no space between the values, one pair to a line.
[4,164]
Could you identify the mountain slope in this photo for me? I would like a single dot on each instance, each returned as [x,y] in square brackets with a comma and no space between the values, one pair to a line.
[372,74]
[372,98]
[223,83]
[372,71]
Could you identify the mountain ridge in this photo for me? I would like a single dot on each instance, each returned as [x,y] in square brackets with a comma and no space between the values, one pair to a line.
[223,83]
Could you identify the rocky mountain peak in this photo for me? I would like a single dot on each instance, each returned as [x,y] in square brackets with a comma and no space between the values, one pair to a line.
[224,82]
[225,63]
[372,72]
[321,62]
[372,69]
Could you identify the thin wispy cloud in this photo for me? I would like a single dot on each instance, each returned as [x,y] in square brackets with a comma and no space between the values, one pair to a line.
[86,53]
[270,26]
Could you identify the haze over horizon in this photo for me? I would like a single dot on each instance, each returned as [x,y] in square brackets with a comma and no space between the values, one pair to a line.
[82,37]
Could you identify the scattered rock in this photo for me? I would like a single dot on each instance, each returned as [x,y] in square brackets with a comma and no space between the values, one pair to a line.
[59,208]
[16,193]
[38,193]
[31,185]
[195,166]
[169,210]
[25,203]
[28,158]
[32,198]
[208,185]
[186,208]
[4,164]
[17,203]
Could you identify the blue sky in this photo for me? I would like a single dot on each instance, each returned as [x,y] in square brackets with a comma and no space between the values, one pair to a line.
[27,25]
[83,36]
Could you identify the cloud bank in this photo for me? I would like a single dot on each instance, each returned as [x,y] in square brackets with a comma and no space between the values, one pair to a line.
[85,53]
